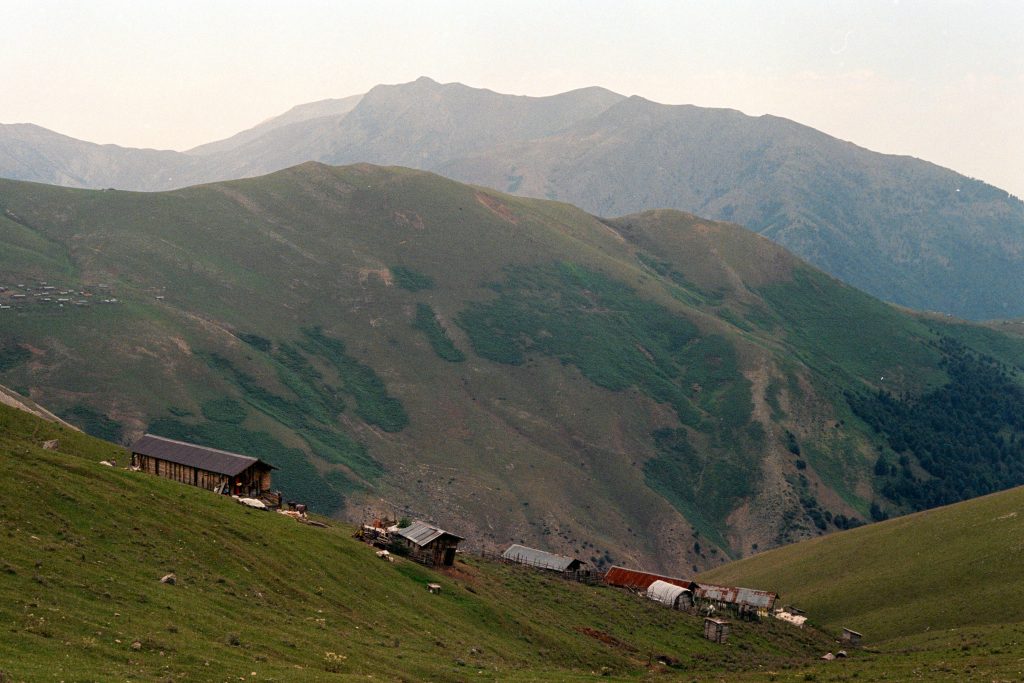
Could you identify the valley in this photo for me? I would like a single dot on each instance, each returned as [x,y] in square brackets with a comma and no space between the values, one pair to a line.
[535,341]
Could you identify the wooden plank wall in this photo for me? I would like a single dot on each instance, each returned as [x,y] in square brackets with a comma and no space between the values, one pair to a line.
[181,473]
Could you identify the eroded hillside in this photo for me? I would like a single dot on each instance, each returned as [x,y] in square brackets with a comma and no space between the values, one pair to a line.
[658,389]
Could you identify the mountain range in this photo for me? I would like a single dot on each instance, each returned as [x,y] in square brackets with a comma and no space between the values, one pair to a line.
[902,229]
[657,389]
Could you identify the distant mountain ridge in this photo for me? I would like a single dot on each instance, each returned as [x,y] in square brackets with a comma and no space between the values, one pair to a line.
[902,229]
[30,152]
[899,228]
[298,114]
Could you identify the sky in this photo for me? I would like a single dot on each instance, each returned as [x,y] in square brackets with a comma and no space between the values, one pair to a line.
[942,80]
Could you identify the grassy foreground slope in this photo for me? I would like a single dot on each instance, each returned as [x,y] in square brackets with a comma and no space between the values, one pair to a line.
[260,597]
[947,568]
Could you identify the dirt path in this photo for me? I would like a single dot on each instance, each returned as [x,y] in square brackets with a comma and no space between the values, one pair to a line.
[16,400]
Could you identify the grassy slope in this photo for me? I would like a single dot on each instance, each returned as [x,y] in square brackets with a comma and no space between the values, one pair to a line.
[189,245]
[259,593]
[947,568]
[555,450]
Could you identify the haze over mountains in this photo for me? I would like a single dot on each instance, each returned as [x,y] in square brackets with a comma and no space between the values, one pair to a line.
[656,388]
[902,229]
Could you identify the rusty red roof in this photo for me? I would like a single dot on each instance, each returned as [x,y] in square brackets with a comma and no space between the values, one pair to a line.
[201,457]
[640,580]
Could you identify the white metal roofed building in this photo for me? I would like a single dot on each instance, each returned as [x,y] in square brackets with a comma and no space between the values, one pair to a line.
[670,594]
[541,559]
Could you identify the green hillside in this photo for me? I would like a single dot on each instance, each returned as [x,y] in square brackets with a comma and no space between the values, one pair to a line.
[940,570]
[260,597]
[657,389]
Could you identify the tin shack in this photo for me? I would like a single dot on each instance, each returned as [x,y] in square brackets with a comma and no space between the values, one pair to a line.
[747,602]
[428,544]
[541,559]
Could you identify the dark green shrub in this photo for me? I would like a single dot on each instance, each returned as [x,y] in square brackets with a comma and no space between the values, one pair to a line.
[95,424]
[426,322]
[224,409]
[409,279]
[257,342]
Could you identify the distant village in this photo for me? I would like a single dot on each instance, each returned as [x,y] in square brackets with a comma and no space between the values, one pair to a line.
[54,296]
[248,480]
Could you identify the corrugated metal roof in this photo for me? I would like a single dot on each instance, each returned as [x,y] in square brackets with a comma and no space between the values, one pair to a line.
[191,455]
[640,580]
[665,592]
[422,533]
[538,558]
[736,596]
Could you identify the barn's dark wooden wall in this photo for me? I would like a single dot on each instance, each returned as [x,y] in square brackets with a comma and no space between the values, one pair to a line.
[252,481]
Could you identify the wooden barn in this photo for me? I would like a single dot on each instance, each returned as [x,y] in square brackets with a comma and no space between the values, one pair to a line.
[541,559]
[428,544]
[208,468]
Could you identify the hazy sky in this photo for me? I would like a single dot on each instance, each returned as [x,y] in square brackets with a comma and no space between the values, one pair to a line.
[940,80]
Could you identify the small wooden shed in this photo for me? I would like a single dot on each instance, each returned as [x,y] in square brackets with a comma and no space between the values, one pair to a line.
[208,468]
[852,637]
[716,630]
[429,544]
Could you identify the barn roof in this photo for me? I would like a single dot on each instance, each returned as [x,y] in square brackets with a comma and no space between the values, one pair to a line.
[640,580]
[422,533]
[736,596]
[538,558]
[191,455]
